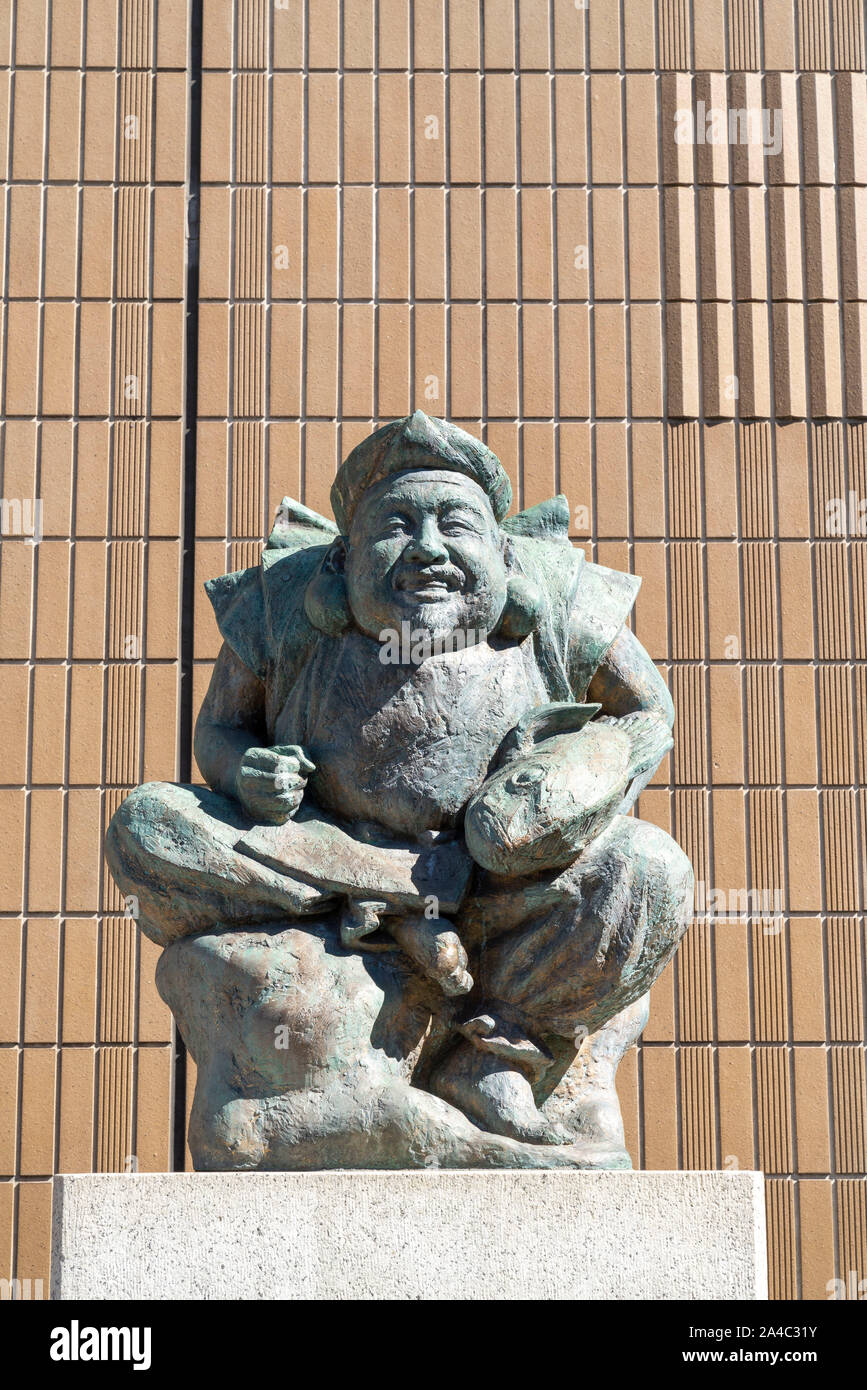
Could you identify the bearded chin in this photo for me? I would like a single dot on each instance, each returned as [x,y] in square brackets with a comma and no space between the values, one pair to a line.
[473,615]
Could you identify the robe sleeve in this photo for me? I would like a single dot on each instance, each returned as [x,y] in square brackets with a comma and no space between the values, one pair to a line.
[239,607]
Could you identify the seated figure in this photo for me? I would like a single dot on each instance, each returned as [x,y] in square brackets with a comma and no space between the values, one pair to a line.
[410,920]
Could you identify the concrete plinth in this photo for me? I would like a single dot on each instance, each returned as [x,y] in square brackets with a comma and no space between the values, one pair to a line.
[426,1234]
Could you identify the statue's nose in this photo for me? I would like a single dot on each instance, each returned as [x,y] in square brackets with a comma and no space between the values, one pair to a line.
[426,546]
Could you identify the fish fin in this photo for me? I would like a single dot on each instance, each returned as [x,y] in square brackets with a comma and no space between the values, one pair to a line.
[649,735]
[543,722]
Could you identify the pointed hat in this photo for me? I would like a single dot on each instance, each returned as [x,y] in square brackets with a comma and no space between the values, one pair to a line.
[417,441]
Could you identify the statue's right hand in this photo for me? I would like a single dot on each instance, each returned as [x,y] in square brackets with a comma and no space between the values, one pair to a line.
[270,782]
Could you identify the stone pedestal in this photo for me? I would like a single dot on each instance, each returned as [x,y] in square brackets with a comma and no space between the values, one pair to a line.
[423,1234]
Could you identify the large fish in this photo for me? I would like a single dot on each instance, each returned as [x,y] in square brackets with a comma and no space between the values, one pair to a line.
[559,777]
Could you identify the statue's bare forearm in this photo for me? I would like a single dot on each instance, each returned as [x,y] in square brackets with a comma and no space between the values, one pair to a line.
[627,682]
[231,720]
[231,746]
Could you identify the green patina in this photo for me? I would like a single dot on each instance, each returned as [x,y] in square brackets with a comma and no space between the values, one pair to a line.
[409,920]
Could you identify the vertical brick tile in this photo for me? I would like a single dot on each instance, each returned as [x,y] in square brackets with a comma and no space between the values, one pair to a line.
[153,1118]
[610,358]
[660,1141]
[790,384]
[430,128]
[394,128]
[816,1230]
[736,1126]
[358,358]
[826,382]
[500,128]
[287,117]
[778,34]
[463,28]
[747,100]
[574,359]
[465,126]
[499,34]
[781,135]
[641,128]
[393,246]
[608,267]
[853,244]
[358,126]
[37,1111]
[682,359]
[430,375]
[536,243]
[677,128]
[606,150]
[465,361]
[61,242]
[817,127]
[851,96]
[394,361]
[323,35]
[535,103]
[465,243]
[393,34]
[75,1137]
[646,359]
[644,243]
[570,127]
[323,112]
[430,243]
[502,359]
[537,359]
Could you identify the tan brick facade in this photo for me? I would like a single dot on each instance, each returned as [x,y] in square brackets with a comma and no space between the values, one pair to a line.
[489,211]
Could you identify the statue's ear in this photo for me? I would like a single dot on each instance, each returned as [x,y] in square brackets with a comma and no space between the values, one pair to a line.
[334,560]
[524,600]
[326,602]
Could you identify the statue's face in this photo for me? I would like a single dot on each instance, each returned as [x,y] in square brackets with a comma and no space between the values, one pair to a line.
[425,548]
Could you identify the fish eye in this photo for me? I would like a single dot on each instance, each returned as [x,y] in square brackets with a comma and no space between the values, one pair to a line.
[527,776]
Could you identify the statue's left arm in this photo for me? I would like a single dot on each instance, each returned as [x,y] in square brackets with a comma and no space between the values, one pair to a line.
[626,683]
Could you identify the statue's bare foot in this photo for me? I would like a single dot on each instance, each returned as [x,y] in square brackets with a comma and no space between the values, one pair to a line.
[495,1096]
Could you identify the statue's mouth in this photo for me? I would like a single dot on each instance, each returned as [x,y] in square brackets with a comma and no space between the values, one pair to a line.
[428,584]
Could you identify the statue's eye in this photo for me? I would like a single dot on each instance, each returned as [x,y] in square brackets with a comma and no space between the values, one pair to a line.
[527,776]
[458,523]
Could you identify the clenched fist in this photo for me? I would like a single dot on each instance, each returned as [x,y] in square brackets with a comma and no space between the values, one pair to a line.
[270,782]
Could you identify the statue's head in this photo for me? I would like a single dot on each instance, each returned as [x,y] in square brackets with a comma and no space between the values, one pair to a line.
[419,505]
[425,547]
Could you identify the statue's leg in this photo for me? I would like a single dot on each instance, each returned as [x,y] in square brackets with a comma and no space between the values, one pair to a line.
[580,1090]
[172,849]
[305,1054]
[560,955]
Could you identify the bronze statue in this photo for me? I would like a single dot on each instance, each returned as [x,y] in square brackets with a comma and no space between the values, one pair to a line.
[409,921]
